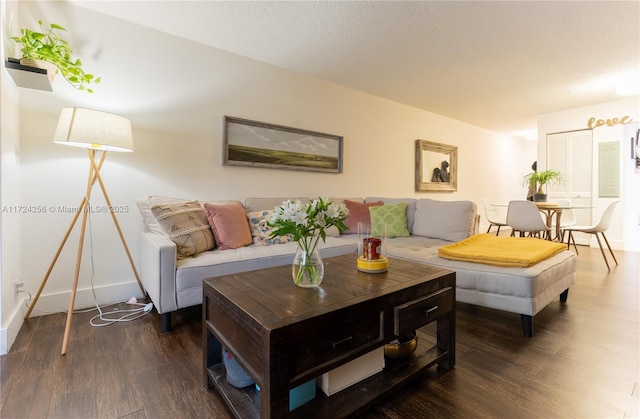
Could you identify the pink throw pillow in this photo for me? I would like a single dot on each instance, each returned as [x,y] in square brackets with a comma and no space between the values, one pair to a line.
[358,213]
[229,224]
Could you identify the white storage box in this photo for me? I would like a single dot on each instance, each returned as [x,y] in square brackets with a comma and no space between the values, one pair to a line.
[350,373]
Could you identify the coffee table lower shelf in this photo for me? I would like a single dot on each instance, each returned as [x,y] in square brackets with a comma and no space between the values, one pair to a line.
[245,403]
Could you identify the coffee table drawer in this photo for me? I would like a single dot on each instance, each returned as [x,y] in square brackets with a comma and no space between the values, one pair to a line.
[415,314]
[333,338]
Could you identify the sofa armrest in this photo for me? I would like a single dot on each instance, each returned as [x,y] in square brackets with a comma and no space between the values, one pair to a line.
[158,257]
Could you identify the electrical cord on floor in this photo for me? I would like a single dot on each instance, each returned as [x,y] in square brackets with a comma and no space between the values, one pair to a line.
[129,315]
[125,315]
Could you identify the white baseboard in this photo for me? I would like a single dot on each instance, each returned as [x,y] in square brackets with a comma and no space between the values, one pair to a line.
[8,335]
[59,302]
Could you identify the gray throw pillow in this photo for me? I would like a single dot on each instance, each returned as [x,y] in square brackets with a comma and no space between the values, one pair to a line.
[445,220]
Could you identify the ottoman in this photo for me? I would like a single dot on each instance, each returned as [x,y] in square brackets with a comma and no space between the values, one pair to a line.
[521,290]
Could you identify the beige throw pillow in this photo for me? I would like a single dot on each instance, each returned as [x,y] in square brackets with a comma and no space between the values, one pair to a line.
[185,223]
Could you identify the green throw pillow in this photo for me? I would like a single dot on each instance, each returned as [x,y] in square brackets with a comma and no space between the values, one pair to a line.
[394,215]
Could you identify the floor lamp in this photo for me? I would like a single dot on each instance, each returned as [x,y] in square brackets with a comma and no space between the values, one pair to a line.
[95,131]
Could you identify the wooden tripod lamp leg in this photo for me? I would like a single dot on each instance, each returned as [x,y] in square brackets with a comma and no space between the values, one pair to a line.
[90,181]
[76,276]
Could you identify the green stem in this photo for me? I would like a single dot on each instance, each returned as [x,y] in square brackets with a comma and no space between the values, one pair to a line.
[308,245]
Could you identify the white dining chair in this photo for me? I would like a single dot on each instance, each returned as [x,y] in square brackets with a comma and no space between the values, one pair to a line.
[524,217]
[568,217]
[493,215]
[602,226]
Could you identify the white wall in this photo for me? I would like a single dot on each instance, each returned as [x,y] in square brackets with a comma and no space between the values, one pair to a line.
[624,233]
[176,93]
[11,309]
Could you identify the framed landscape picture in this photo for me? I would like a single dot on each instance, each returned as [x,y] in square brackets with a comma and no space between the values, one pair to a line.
[258,144]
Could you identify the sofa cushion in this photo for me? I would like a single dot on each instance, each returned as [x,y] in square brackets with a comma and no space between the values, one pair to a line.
[411,206]
[358,213]
[446,220]
[229,224]
[394,216]
[185,223]
[260,231]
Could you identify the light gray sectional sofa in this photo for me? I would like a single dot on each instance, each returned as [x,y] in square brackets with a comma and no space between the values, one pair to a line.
[173,278]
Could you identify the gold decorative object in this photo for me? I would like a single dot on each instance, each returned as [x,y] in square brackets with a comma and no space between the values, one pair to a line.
[595,123]
[402,347]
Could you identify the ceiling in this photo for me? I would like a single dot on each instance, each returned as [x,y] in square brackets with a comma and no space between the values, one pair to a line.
[493,64]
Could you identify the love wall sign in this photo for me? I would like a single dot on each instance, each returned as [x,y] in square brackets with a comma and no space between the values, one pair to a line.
[595,123]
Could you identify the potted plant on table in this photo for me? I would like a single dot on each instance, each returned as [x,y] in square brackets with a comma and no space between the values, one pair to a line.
[544,177]
[46,49]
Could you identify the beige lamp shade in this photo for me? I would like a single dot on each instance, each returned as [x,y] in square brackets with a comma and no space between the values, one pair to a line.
[96,130]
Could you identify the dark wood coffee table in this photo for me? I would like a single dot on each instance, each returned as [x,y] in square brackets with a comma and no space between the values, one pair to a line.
[284,335]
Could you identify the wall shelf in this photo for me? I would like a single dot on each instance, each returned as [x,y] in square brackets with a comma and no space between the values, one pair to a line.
[25,76]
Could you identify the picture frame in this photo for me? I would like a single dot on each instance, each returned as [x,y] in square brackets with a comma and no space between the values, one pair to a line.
[609,169]
[436,167]
[260,144]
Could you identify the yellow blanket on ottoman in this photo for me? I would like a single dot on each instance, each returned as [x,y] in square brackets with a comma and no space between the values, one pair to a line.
[517,252]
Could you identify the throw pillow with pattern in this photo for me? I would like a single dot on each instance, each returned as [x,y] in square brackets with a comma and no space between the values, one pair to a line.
[394,216]
[260,231]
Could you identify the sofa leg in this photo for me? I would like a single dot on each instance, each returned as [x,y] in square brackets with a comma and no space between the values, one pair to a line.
[166,322]
[564,295]
[527,325]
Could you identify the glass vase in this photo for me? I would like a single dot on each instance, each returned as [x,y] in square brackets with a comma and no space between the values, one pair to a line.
[307,268]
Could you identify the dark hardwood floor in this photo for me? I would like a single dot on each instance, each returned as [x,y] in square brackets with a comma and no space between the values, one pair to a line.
[581,362]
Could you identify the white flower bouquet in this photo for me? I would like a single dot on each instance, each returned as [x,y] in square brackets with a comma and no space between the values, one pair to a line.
[307,224]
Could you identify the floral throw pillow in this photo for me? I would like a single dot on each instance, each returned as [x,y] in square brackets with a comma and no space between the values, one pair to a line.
[260,231]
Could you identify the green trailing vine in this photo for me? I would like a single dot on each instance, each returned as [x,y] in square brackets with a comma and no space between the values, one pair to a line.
[47,45]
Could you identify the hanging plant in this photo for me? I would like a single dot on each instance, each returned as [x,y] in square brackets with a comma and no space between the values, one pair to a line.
[47,45]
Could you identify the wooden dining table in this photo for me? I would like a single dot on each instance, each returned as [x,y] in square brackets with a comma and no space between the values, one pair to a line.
[549,209]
